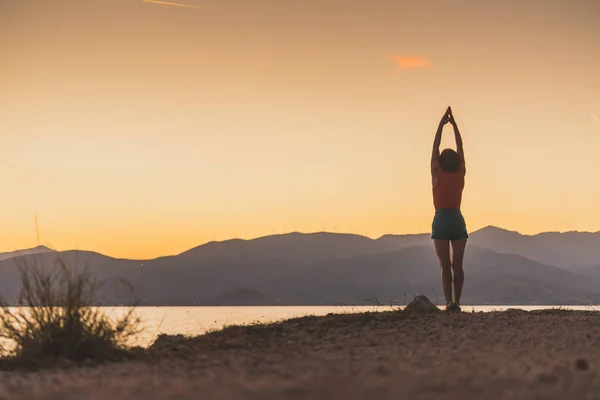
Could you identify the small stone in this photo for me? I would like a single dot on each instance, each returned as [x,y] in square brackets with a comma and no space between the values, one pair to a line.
[421,304]
[582,364]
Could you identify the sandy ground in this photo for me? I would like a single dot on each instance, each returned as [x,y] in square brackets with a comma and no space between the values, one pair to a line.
[393,355]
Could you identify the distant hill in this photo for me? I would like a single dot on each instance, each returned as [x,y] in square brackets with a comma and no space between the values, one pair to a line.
[567,250]
[404,241]
[241,297]
[17,253]
[491,278]
[325,268]
[592,272]
[292,247]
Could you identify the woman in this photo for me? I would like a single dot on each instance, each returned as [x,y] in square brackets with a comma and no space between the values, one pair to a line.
[449,228]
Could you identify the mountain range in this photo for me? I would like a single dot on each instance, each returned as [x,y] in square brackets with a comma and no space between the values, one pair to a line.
[501,267]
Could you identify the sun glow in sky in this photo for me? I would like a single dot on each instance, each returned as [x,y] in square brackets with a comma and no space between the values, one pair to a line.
[412,62]
[138,129]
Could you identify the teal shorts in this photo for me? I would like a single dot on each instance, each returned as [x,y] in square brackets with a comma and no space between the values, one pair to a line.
[449,224]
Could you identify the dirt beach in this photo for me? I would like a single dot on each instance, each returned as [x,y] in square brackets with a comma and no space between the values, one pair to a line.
[550,354]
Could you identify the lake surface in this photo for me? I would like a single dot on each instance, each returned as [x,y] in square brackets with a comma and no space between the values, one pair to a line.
[198,320]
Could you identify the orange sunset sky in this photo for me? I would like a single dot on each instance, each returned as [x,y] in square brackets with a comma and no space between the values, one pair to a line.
[140,129]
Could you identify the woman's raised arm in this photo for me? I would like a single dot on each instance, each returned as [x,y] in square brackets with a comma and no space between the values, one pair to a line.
[457,137]
[435,154]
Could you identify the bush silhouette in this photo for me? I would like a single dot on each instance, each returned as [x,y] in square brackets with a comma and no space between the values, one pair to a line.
[56,317]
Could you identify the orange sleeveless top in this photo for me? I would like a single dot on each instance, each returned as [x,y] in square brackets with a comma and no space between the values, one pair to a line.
[447,193]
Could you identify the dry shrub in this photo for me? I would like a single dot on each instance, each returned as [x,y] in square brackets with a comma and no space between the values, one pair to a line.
[57,318]
[593,302]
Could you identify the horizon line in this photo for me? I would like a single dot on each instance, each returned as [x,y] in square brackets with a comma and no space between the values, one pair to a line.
[235,238]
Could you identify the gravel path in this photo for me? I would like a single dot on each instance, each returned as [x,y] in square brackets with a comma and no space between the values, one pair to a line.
[394,355]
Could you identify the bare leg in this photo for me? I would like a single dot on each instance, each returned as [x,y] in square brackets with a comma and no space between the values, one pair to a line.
[442,249]
[458,275]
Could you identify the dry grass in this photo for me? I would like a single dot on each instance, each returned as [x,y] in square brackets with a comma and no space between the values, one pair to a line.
[593,302]
[55,318]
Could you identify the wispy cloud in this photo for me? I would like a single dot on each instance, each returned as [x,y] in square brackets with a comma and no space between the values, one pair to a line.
[595,117]
[412,62]
[168,3]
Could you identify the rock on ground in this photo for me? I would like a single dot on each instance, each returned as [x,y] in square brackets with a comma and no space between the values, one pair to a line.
[421,304]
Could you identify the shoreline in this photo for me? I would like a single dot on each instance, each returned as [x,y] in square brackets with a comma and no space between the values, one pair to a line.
[514,354]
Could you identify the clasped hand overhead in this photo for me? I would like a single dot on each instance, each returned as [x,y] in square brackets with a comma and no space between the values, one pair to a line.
[448,117]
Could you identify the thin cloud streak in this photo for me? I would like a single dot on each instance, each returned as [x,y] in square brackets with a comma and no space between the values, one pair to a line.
[412,62]
[168,3]
[596,118]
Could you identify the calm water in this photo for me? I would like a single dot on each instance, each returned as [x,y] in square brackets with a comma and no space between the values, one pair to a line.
[197,320]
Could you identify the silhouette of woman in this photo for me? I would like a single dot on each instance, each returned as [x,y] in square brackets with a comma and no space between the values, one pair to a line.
[448,227]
